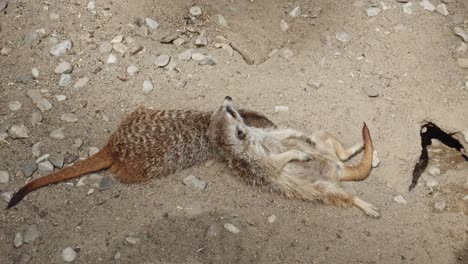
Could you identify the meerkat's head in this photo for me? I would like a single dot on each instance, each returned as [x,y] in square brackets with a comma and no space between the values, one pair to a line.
[227,127]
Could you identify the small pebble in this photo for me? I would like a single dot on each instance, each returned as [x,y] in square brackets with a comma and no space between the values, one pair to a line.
[197,56]
[132,70]
[6,196]
[207,61]
[91,5]
[295,12]
[35,73]
[162,60]
[69,117]
[119,47]
[36,149]
[179,41]
[186,55]
[195,11]
[430,181]
[427,5]
[281,108]
[57,134]
[4,177]
[440,205]
[44,105]
[342,37]
[271,219]
[63,67]
[373,11]
[151,23]
[91,191]
[28,168]
[463,63]
[375,160]
[147,86]
[285,53]
[221,20]
[284,25]
[111,59]
[117,255]
[194,183]
[45,166]
[442,9]
[5,51]
[42,158]
[132,240]
[61,48]
[231,228]
[35,95]
[169,38]
[228,49]
[54,16]
[30,37]
[92,151]
[213,230]
[14,105]
[81,82]
[18,240]
[461,33]
[18,131]
[408,8]
[201,40]
[117,39]
[465,198]
[31,234]
[433,170]
[65,80]
[370,91]
[36,118]
[105,183]
[68,254]
[57,160]
[399,199]
[105,47]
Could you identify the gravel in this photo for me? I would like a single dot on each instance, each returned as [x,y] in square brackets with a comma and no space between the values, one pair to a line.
[69,254]
[195,183]
[57,134]
[231,228]
[4,177]
[399,199]
[69,117]
[63,67]
[31,234]
[14,106]
[18,131]
[61,48]
[81,82]
[195,11]
[151,23]
[65,80]
[28,168]
[148,86]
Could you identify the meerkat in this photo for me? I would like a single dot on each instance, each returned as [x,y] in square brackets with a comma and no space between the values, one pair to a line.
[289,162]
[147,144]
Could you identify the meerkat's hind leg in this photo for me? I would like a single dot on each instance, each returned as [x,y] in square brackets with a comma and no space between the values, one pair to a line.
[290,155]
[367,208]
[341,152]
[284,134]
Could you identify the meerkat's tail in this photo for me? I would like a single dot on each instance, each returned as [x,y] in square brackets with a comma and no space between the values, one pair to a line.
[101,160]
[361,171]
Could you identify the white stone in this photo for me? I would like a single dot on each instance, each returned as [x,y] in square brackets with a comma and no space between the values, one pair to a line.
[65,80]
[5,51]
[271,219]
[57,134]
[281,108]
[147,86]
[45,166]
[54,16]
[35,73]
[4,177]
[162,60]
[284,25]
[36,149]
[342,36]
[119,47]
[18,240]
[14,105]
[61,48]
[6,196]
[63,67]
[427,5]
[375,160]
[68,254]
[195,11]
[442,9]
[91,5]
[222,21]
[132,70]
[132,240]
[31,234]
[111,59]
[105,47]
[197,56]
[461,33]
[399,199]
[408,8]
[18,131]
[81,82]
[61,97]
[92,151]
[295,12]
[195,183]
[231,228]
[463,63]
[117,39]
[285,53]
[373,11]
[42,158]
[69,117]
[151,23]
[186,55]
[44,105]
[440,205]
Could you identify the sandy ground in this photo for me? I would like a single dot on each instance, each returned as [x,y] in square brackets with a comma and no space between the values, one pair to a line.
[409,59]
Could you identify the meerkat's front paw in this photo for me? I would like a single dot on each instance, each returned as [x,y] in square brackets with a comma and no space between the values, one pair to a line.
[305,157]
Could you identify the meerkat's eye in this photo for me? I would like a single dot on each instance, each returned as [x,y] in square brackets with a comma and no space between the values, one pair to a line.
[240,134]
